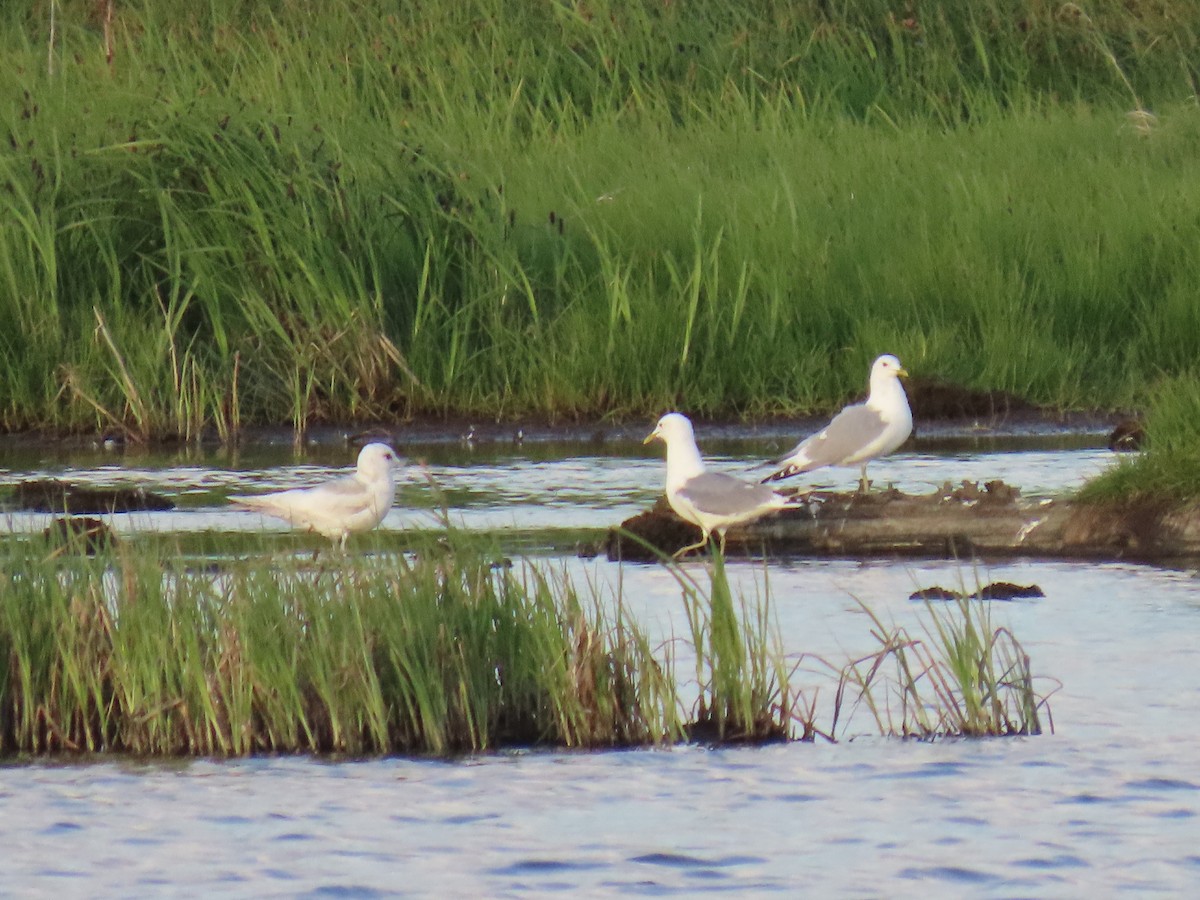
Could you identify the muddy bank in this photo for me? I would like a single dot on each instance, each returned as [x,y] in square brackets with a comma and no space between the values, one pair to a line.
[940,410]
[970,520]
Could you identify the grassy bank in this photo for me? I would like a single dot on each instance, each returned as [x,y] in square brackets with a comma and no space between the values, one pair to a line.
[573,210]
[1165,472]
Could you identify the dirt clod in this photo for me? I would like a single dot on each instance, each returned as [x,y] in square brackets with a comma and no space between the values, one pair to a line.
[84,533]
[1128,436]
[54,496]
[998,590]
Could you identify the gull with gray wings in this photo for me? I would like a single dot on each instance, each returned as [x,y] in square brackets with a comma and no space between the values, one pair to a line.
[859,433]
[712,500]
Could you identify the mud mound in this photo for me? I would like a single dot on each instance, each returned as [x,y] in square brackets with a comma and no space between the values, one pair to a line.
[1126,528]
[658,527]
[946,521]
[958,522]
[932,400]
[84,533]
[998,590]
[54,496]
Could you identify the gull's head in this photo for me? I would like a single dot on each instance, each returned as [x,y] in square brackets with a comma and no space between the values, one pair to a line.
[887,366]
[375,460]
[671,427]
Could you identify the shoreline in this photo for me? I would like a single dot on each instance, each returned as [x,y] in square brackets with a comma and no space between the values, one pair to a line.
[965,521]
[432,429]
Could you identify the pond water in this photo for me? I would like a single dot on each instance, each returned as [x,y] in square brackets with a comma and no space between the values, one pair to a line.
[1109,802]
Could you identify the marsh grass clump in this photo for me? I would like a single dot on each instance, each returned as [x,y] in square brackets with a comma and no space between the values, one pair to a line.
[147,656]
[963,678]
[741,670]
[134,651]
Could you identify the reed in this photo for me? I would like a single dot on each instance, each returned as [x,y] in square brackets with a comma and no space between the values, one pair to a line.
[964,678]
[441,651]
[744,692]
[544,209]
[138,655]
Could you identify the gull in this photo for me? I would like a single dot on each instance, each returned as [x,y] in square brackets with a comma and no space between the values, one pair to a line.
[342,506]
[859,433]
[712,500]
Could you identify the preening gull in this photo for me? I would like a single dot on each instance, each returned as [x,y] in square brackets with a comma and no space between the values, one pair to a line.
[342,506]
[712,500]
[859,433]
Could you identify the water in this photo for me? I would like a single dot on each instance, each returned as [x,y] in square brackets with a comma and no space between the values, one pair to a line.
[1108,803]
[529,488]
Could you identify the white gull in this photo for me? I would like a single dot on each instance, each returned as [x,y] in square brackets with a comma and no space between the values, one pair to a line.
[342,506]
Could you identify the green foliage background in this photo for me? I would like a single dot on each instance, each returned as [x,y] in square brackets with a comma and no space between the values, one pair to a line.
[291,212]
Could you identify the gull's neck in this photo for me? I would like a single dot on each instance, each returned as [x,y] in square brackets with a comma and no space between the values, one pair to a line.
[683,462]
[886,394]
[378,481]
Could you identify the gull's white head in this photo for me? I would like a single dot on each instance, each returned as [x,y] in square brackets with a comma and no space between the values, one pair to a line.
[887,366]
[377,460]
[671,427]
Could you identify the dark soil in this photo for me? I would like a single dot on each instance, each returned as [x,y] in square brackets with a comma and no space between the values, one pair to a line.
[54,496]
[938,401]
[998,590]
[968,521]
[82,534]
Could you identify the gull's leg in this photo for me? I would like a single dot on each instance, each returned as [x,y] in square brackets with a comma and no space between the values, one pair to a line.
[690,547]
[863,485]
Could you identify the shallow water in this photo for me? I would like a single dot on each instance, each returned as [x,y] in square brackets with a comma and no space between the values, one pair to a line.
[529,487]
[1108,803]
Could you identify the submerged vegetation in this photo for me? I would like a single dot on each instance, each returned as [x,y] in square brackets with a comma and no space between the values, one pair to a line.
[226,215]
[142,652]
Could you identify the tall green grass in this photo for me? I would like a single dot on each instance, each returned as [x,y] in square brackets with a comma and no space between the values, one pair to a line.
[444,656]
[577,210]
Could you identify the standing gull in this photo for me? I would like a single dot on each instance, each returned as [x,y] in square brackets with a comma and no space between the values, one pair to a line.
[859,433]
[340,507]
[712,500]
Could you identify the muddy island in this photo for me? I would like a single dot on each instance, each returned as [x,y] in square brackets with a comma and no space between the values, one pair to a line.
[970,520]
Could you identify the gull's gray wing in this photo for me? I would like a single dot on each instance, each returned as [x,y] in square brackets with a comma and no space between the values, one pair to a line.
[854,428]
[719,494]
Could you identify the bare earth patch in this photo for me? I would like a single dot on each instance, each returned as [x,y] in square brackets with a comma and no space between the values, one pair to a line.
[964,521]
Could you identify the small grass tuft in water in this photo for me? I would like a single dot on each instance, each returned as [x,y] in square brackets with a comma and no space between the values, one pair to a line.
[964,678]
[744,691]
